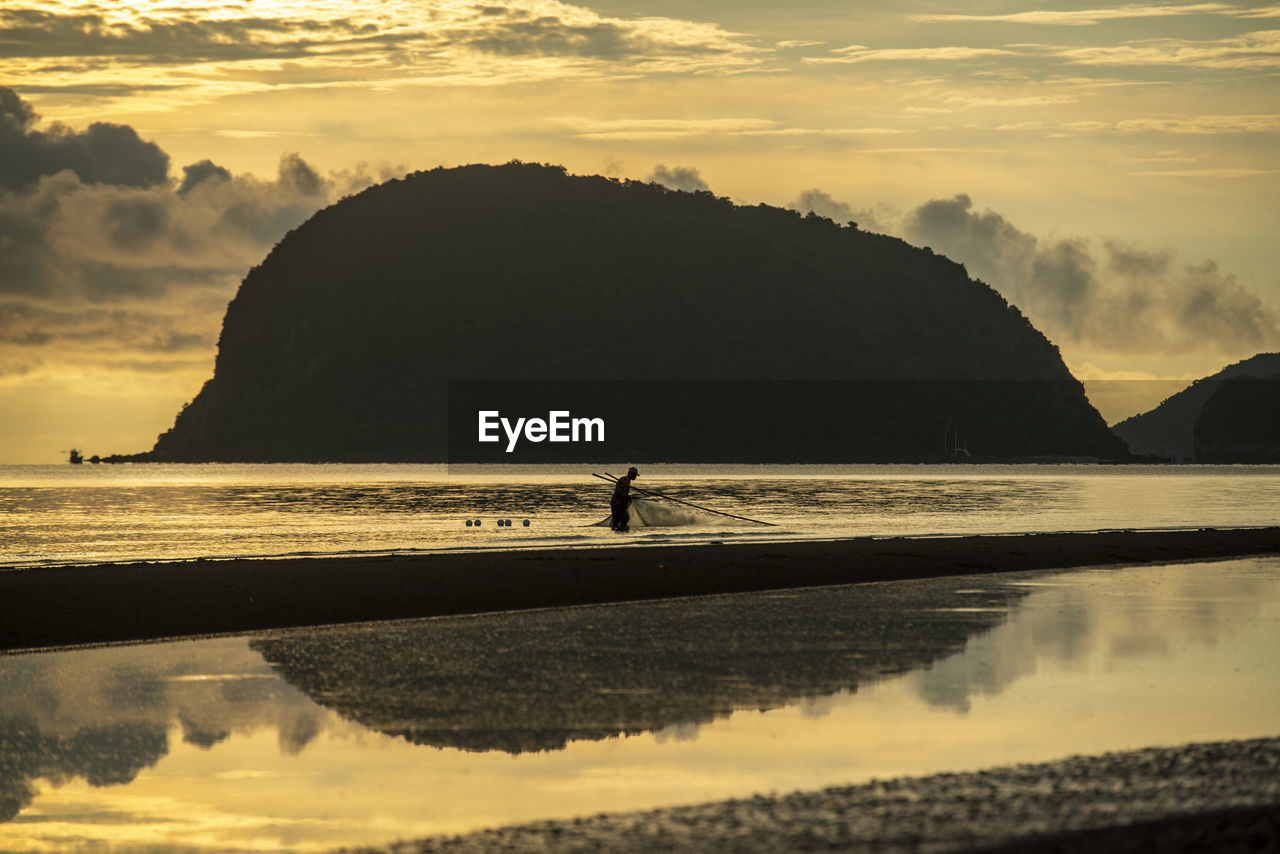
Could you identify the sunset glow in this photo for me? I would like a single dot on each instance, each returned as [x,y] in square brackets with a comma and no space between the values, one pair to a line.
[1112,170]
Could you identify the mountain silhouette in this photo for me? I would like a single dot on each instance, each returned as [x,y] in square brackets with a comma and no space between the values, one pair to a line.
[1240,423]
[704,330]
[1168,430]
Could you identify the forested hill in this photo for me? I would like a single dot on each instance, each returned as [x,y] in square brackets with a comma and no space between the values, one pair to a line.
[832,343]
[1168,430]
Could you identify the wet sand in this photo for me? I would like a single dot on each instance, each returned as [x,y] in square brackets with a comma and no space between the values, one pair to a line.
[1220,797]
[55,606]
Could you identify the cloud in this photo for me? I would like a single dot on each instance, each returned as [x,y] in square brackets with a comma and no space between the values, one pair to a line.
[820,203]
[1254,123]
[614,129]
[811,131]
[986,242]
[96,270]
[1194,125]
[552,36]
[226,48]
[297,174]
[1251,51]
[205,170]
[1122,299]
[103,153]
[647,129]
[678,178]
[815,201]
[1264,12]
[860,53]
[1208,173]
[67,239]
[1082,17]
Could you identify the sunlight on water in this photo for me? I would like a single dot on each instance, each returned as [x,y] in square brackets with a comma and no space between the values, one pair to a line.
[86,514]
[309,739]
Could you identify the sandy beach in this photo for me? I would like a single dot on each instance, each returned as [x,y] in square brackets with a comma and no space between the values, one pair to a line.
[55,606]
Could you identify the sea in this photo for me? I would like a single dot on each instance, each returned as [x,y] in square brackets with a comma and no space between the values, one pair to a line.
[87,514]
[311,738]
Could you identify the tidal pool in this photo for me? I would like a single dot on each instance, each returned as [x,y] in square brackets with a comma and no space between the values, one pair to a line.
[310,739]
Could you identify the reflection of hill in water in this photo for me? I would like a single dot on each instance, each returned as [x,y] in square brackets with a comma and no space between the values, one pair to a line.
[535,681]
[106,714]
[103,756]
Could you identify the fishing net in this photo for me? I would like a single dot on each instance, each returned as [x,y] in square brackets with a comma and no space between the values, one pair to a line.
[646,513]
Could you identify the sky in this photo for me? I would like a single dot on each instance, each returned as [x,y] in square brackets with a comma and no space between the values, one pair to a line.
[1112,169]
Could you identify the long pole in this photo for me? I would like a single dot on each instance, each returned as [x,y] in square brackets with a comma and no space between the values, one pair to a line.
[613,479]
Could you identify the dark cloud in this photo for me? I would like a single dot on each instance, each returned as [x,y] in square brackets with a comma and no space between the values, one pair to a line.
[266,216]
[1216,306]
[1125,299]
[197,173]
[678,178]
[171,341]
[1062,278]
[104,153]
[30,325]
[290,50]
[122,273]
[10,368]
[40,33]
[297,174]
[15,111]
[550,36]
[66,239]
[1130,261]
[135,223]
[986,243]
[816,201]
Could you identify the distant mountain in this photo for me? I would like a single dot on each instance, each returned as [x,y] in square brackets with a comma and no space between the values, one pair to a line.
[706,331]
[1168,430]
[1240,423]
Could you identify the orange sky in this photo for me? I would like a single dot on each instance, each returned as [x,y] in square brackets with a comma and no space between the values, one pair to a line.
[1113,170]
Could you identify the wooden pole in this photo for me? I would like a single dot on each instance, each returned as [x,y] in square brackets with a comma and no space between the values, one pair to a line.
[613,479]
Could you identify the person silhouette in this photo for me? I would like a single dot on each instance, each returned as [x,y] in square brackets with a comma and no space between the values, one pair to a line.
[621,498]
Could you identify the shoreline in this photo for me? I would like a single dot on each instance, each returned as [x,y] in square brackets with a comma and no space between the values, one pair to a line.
[103,603]
[1208,796]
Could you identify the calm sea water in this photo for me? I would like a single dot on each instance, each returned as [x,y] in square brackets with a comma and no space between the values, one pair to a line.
[87,514]
[304,740]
